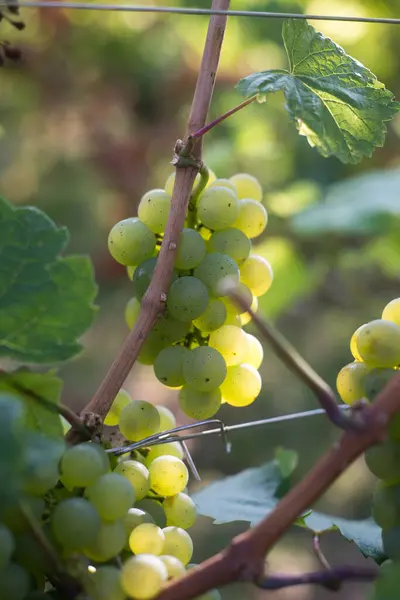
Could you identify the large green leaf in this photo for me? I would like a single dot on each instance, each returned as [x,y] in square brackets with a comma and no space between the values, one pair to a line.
[46,302]
[336,102]
[252,494]
[363,204]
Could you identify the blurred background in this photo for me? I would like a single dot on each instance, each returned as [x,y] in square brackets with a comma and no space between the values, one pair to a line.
[88,122]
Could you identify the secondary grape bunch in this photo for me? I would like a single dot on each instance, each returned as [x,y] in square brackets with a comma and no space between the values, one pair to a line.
[96,512]
[376,349]
[198,346]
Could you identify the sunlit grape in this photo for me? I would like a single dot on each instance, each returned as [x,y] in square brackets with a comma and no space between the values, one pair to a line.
[247,186]
[132,311]
[143,576]
[231,342]
[147,538]
[138,420]
[391,312]
[137,474]
[174,566]
[167,418]
[178,543]
[169,449]
[241,386]
[218,208]
[180,511]
[256,273]
[255,352]
[350,382]
[168,475]
[121,400]
[154,208]
[378,343]
[252,218]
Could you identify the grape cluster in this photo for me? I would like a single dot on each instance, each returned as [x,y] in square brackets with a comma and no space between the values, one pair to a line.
[376,349]
[198,346]
[123,521]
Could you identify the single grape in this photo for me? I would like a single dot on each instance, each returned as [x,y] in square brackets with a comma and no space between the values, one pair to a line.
[109,542]
[191,250]
[172,330]
[121,400]
[204,368]
[130,242]
[137,474]
[105,584]
[80,466]
[386,506]
[75,523]
[231,342]
[178,543]
[199,405]
[138,420]
[180,511]
[143,576]
[232,307]
[14,519]
[153,344]
[168,449]
[218,208]
[245,318]
[41,467]
[391,312]
[252,218]
[112,495]
[391,542]
[256,273]
[7,545]
[168,475]
[224,183]
[213,317]
[147,538]
[132,311]
[153,210]
[15,582]
[232,242]
[378,343]
[187,298]
[233,319]
[174,566]
[143,275]
[353,345]
[30,554]
[168,366]
[214,269]
[383,460]
[133,518]
[376,380]
[350,382]
[247,186]
[130,271]
[155,510]
[241,386]
[255,352]
[167,418]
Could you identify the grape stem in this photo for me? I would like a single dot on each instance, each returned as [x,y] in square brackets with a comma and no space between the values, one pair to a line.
[204,177]
[318,552]
[188,163]
[200,132]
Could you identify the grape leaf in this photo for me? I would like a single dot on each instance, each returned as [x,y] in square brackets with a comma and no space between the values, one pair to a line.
[355,205]
[336,102]
[35,390]
[252,494]
[46,302]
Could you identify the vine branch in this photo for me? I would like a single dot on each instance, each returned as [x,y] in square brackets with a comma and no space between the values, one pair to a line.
[332,579]
[200,132]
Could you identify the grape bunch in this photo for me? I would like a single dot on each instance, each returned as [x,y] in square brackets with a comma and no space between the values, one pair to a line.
[376,349]
[198,345]
[117,526]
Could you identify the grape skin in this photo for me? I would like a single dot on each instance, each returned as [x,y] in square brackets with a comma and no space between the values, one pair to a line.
[121,400]
[353,346]
[232,307]
[256,273]
[241,386]
[191,250]
[350,382]
[132,311]
[199,405]
[187,298]
[75,523]
[167,419]
[378,343]
[112,495]
[213,317]
[204,368]
[178,543]
[174,566]
[245,318]
[247,186]
[137,474]
[168,475]
[168,449]
[218,208]
[138,420]
[231,342]
[168,366]
[213,270]
[142,277]
[105,584]
[252,218]
[109,541]
[147,538]
[232,242]
[80,466]
[130,242]
[180,511]
[143,576]
[391,312]
[133,518]
[154,208]
[255,351]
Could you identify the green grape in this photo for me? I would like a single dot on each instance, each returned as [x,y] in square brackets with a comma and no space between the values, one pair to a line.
[247,186]
[173,330]
[233,319]
[168,366]
[255,352]
[213,317]
[224,183]
[246,317]
[386,506]
[14,519]
[218,208]
[204,368]
[383,460]
[241,386]
[121,400]
[130,242]
[256,273]
[133,518]
[376,380]
[178,543]
[180,511]
[232,242]
[191,250]
[199,405]
[147,538]
[112,495]
[80,466]
[391,542]
[167,418]
[175,567]
[168,449]
[132,311]
[105,584]
[143,576]
[137,474]
[154,509]
[214,269]
[130,269]
[75,523]
[378,343]
[15,582]
[252,218]
[353,345]
[168,475]
[138,420]
[166,331]
[391,312]
[143,275]
[154,209]
[42,461]
[109,542]
[232,307]
[350,382]
[210,595]
[7,545]
[231,342]
[187,298]
[30,555]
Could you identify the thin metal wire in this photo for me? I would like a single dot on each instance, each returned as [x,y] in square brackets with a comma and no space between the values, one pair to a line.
[195,11]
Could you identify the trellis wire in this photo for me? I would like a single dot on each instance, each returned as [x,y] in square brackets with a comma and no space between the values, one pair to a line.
[195,11]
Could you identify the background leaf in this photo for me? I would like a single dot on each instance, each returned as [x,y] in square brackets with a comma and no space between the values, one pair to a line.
[388,584]
[336,102]
[46,302]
